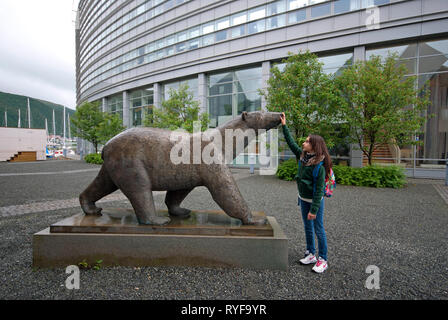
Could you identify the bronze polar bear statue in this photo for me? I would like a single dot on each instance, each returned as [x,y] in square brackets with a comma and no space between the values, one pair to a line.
[139,161]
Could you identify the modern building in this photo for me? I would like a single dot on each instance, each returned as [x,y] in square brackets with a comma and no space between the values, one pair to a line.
[131,52]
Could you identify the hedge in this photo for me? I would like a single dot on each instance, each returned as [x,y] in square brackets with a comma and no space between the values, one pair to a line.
[369,176]
[94,158]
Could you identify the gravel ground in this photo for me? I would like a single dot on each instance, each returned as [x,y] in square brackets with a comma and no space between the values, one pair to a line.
[402,232]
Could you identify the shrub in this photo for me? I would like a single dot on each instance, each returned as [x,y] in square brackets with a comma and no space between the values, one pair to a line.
[94,158]
[287,169]
[369,176]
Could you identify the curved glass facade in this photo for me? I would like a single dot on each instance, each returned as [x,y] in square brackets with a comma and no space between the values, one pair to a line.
[131,53]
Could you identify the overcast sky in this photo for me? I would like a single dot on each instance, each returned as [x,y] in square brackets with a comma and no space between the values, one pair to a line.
[37,49]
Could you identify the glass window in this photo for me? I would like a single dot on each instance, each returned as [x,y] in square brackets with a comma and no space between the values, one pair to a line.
[296,16]
[182,36]
[320,10]
[257,13]
[160,54]
[248,102]
[252,73]
[256,26]
[337,61]
[433,64]
[221,35]
[341,6]
[239,18]
[193,44]
[170,40]
[208,39]
[220,110]
[276,7]
[436,128]
[231,93]
[380,2]
[220,88]
[405,51]
[220,78]
[207,28]
[238,31]
[180,47]
[248,85]
[316,1]
[222,23]
[193,32]
[136,117]
[294,4]
[168,5]
[433,47]
[169,50]
[160,43]
[276,22]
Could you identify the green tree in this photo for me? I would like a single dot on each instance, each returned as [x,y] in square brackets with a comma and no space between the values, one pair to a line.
[380,104]
[179,111]
[306,95]
[91,124]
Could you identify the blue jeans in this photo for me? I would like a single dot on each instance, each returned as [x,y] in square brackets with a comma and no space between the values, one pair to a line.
[314,227]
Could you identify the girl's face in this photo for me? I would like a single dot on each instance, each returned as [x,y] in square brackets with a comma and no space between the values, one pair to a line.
[307,146]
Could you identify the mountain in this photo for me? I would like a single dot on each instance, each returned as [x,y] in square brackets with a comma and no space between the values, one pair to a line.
[40,110]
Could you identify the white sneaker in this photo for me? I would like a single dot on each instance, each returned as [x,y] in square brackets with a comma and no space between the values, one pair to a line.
[310,258]
[320,266]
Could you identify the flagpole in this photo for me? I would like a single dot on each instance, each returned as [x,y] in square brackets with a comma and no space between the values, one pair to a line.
[29,114]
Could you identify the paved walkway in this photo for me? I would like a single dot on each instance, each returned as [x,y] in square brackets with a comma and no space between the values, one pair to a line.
[443,191]
[400,231]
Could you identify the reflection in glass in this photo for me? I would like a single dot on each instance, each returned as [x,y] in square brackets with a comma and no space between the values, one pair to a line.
[320,10]
[238,31]
[436,128]
[257,13]
[220,78]
[257,26]
[208,39]
[221,35]
[296,16]
[433,47]
[276,22]
[294,4]
[220,110]
[248,102]
[193,44]
[220,88]
[239,18]
[222,24]
[433,64]
[252,73]
[276,7]
[405,51]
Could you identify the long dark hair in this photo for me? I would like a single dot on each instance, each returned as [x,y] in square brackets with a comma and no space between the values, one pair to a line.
[320,149]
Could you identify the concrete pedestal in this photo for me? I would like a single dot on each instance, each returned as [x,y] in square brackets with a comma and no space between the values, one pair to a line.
[206,238]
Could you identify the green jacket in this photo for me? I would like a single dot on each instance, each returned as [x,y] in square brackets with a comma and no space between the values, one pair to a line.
[304,176]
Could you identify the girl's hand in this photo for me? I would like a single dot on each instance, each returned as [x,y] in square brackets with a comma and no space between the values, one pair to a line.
[283,119]
[311,216]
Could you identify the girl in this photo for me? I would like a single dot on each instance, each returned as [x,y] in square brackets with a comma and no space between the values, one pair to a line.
[311,198]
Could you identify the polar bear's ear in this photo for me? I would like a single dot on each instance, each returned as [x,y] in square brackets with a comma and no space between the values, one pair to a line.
[244,115]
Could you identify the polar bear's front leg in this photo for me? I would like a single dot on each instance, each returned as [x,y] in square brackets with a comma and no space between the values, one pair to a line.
[226,194]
